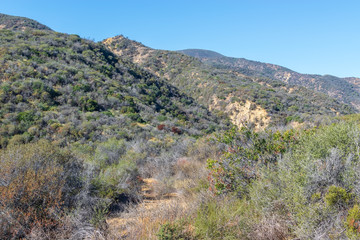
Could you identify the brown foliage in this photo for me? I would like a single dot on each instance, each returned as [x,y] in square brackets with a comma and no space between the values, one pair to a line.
[176,130]
[32,187]
[161,127]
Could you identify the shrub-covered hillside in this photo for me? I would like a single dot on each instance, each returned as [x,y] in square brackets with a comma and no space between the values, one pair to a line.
[68,89]
[344,89]
[229,91]
[79,130]
[20,23]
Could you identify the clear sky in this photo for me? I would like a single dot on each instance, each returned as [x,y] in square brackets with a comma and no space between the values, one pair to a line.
[308,36]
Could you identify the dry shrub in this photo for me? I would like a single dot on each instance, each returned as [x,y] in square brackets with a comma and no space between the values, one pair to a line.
[162,188]
[188,168]
[35,186]
[272,227]
[73,227]
[143,221]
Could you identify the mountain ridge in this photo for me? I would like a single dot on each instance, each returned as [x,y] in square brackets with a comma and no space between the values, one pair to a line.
[345,89]
[20,23]
[223,86]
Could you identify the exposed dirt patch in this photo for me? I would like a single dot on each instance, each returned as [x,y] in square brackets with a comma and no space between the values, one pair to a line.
[242,112]
[141,52]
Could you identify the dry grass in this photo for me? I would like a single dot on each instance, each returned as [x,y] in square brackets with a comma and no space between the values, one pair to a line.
[162,203]
[144,220]
[166,198]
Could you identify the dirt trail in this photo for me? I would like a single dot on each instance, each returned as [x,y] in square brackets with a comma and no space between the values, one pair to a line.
[152,202]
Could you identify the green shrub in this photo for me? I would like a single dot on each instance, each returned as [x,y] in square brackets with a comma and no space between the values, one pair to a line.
[161,118]
[352,223]
[27,116]
[337,196]
[174,231]
[88,104]
[135,117]
[219,219]
[100,213]
[245,151]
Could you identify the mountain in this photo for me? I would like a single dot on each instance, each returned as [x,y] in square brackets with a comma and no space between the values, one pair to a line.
[20,23]
[344,89]
[199,53]
[241,96]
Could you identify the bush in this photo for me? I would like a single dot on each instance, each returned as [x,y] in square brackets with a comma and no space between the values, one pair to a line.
[38,182]
[174,231]
[353,223]
[337,196]
[245,151]
[219,219]
[321,164]
[100,212]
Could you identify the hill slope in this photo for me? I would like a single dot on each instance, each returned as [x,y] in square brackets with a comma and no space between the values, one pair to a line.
[344,89]
[20,23]
[80,127]
[240,96]
[67,89]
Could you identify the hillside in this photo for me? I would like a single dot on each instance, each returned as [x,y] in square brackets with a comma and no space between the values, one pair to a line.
[201,54]
[344,89]
[81,127]
[242,97]
[73,83]
[20,23]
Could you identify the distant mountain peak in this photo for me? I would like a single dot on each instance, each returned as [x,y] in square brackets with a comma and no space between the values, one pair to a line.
[201,53]
[20,23]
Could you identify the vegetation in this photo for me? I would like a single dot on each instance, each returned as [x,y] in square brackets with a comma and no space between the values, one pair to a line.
[303,191]
[20,23]
[245,150]
[39,183]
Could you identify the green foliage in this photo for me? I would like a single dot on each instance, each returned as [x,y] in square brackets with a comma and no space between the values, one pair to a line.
[219,219]
[135,117]
[322,161]
[101,211]
[302,181]
[27,117]
[353,222]
[117,169]
[174,231]
[89,105]
[244,151]
[161,118]
[337,196]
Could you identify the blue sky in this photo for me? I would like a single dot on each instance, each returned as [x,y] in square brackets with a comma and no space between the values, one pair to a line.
[316,36]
